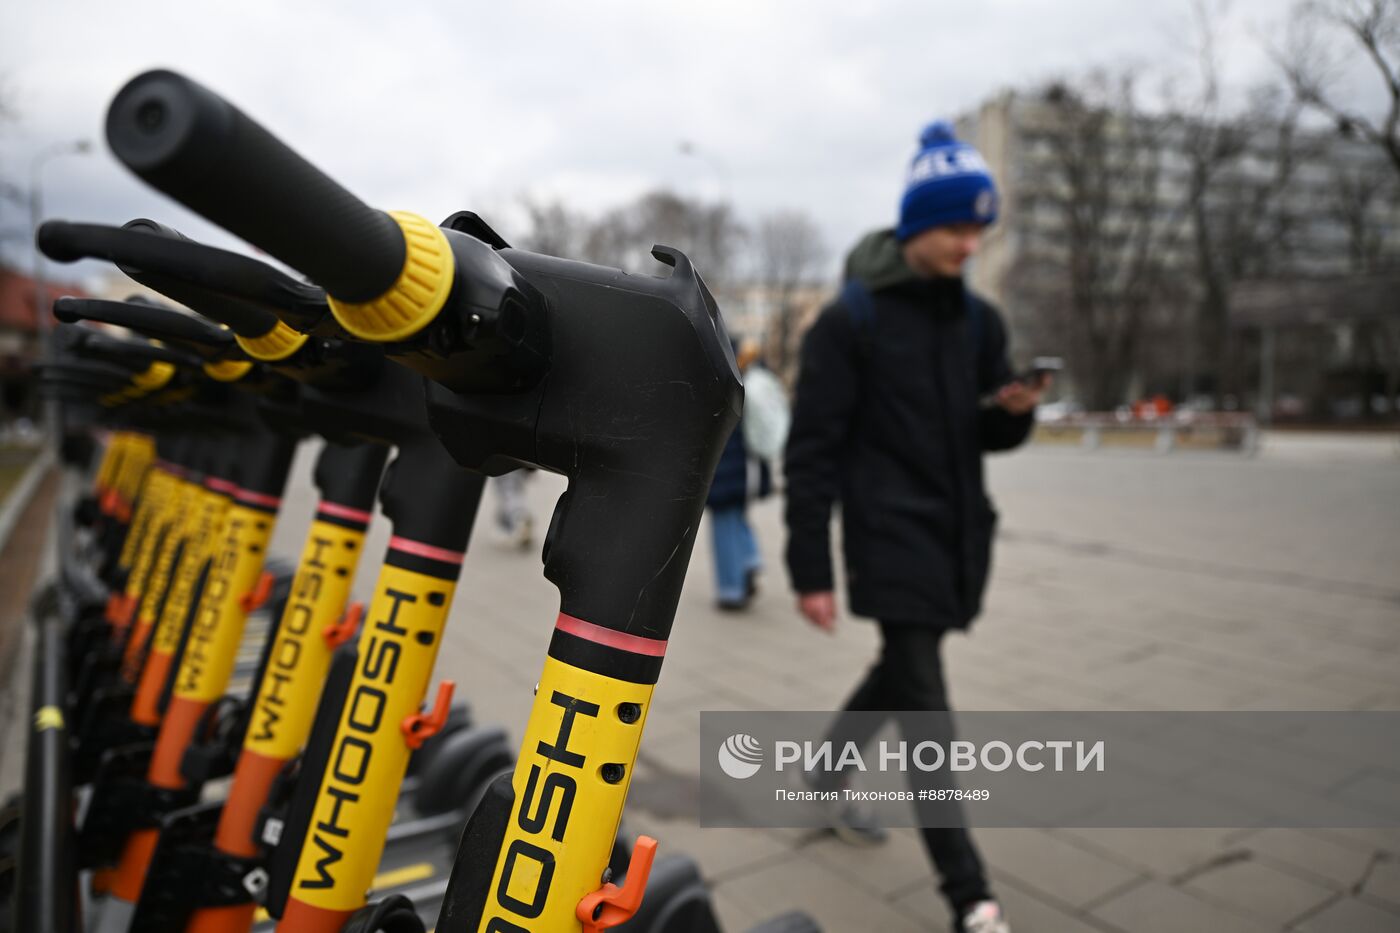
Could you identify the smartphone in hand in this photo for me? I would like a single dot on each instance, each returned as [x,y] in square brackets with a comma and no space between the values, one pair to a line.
[1033,377]
[1041,367]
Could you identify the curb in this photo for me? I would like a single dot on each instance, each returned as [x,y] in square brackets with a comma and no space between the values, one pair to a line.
[14,675]
[14,505]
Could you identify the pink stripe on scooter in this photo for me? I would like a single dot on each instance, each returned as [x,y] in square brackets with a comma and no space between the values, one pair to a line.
[636,644]
[344,511]
[258,498]
[419,549]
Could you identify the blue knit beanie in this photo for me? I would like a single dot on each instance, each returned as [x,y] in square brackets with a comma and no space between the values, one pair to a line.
[948,184]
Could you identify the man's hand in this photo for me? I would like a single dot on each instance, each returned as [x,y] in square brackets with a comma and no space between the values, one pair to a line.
[1018,398]
[819,609]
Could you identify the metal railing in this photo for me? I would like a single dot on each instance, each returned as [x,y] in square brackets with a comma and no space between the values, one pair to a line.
[1164,433]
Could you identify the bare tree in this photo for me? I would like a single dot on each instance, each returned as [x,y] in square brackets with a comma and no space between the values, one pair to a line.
[555,228]
[1324,37]
[13,198]
[788,251]
[611,241]
[8,114]
[1213,145]
[1310,61]
[1240,164]
[1244,224]
[708,233]
[1359,194]
[1096,283]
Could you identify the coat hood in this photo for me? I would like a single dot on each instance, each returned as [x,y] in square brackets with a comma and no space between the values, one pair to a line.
[878,261]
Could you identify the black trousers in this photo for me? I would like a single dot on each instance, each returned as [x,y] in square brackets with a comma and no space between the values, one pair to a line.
[909,676]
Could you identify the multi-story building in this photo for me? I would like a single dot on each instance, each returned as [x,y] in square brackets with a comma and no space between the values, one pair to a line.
[1107,210]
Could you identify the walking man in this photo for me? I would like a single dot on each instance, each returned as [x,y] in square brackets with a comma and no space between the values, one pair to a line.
[904,383]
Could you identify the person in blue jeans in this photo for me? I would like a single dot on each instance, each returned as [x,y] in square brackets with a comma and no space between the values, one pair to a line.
[736,557]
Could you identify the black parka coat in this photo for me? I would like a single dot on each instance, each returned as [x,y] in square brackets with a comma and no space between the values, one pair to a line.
[887,423]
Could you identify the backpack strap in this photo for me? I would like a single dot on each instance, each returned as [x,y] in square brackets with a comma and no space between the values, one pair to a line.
[861,307]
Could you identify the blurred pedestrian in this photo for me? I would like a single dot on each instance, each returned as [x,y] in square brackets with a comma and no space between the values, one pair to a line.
[744,471]
[512,511]
[767,415]
[904,383]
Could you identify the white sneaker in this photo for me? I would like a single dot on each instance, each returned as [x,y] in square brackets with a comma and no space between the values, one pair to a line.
[853,821]
[984,917]
[525,533]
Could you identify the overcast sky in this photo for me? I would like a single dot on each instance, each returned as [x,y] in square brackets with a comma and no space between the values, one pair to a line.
[441,106]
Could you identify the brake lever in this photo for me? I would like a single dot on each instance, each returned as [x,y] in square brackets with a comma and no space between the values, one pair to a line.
[137,353]
[190,272]
[187,331]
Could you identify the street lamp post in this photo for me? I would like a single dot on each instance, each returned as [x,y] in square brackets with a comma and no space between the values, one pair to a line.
[36,217]
[721,171]
[53,410]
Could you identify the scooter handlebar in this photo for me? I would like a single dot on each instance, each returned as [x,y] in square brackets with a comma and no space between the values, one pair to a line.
[147,320]
[245,293]
[190,143]
[242,318]
[136,353]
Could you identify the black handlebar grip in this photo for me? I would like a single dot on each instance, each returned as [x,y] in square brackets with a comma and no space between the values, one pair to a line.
[196,147]
[139,352]
[148,320]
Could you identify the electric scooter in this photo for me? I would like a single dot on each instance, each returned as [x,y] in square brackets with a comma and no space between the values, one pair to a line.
[637,434]
[532,361]
[241,811]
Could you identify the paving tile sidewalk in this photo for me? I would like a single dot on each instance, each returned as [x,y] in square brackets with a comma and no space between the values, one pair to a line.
[1123,581]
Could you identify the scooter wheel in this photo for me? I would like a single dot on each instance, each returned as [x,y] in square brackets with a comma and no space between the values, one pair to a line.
[794,921]
[394,914]
[461,769]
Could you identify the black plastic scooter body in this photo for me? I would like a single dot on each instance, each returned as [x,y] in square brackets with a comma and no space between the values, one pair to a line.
[635,415]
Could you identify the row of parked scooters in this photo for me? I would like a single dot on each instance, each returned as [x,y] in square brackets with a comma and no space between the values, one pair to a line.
[220,745]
